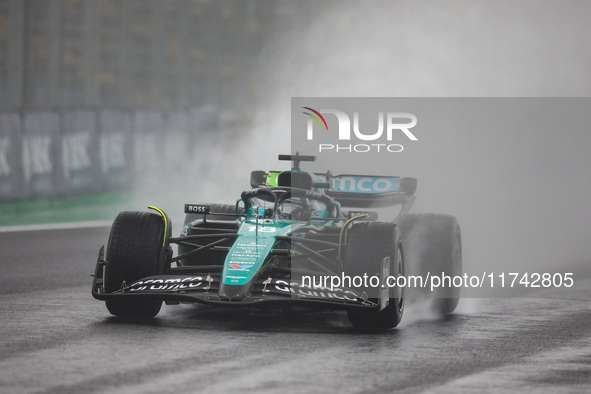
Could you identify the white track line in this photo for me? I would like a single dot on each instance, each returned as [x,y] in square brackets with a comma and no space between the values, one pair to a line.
[73,225]
[57,226]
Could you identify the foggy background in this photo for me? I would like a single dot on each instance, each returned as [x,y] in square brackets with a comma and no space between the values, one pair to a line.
[200,92]
[512,170]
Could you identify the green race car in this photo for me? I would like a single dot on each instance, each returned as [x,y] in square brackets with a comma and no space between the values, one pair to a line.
[296,239]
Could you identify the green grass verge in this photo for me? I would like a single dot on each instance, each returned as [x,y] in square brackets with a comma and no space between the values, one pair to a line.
[72,209]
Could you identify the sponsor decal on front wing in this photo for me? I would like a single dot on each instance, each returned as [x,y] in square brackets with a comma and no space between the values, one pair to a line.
[159,284]
[302,291]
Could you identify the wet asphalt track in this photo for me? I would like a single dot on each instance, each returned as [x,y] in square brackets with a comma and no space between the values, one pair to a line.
[55,338]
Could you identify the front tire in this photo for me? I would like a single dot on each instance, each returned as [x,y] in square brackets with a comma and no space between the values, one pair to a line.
[134,252]
[368,243]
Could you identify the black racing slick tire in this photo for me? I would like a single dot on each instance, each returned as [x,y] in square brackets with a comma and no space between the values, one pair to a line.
[133,252]
[214,208]
[433,246]
[367,244]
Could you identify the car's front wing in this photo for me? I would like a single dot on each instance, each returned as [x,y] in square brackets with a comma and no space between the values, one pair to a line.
[268,292]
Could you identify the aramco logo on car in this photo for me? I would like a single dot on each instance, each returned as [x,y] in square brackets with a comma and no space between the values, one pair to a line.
[391,125]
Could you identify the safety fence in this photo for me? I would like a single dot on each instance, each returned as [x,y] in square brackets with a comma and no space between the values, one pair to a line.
[52,154]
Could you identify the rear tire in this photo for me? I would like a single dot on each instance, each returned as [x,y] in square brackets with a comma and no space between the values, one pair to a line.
[433,243]
[134,252]
[215,208]
[368,243]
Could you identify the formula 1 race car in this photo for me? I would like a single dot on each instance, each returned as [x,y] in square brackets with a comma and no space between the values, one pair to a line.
[296,239]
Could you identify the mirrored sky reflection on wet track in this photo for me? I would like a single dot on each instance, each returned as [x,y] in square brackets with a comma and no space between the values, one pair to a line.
[55,338]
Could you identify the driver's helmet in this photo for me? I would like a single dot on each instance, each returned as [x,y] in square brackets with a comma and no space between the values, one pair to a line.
[261,211]
[294,209]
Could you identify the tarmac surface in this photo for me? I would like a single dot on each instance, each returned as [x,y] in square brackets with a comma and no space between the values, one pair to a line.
[55,338]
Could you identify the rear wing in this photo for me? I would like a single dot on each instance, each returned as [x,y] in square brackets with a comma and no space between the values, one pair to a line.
[371,191]
[356,191]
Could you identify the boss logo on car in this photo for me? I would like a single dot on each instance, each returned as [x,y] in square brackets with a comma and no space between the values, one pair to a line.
[369,215]
[196,208]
